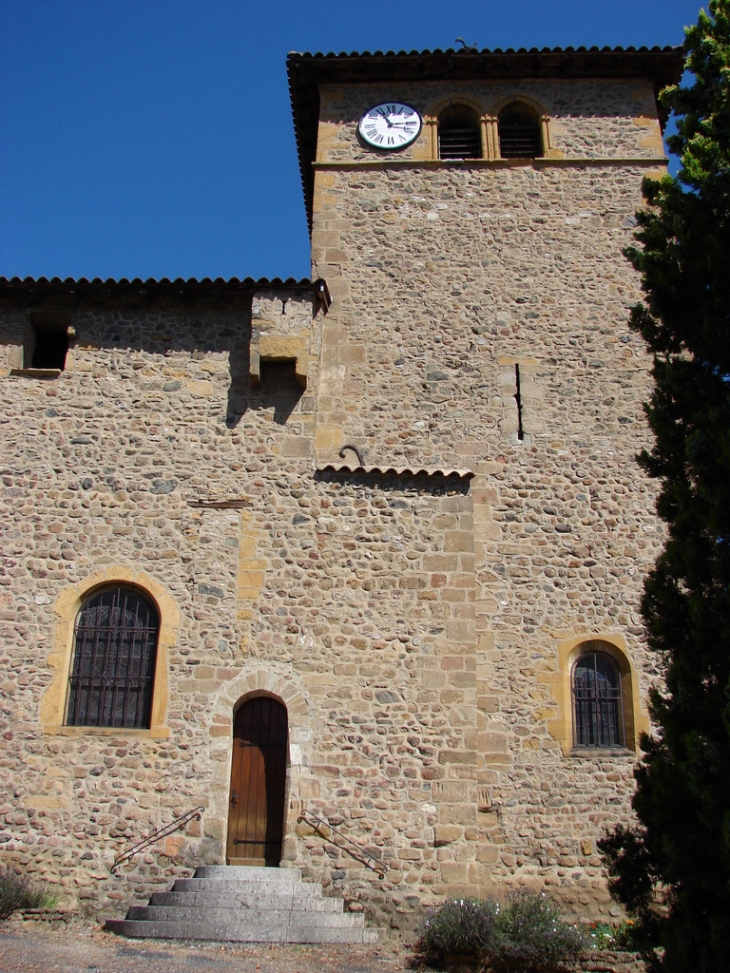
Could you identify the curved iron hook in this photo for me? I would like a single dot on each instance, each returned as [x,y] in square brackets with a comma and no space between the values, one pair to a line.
[355,450]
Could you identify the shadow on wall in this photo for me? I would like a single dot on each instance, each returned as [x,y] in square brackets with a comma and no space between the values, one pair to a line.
[183,323]
[277,389]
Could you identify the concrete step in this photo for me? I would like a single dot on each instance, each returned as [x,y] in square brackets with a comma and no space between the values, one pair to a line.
[239,887]
[245,905]
[254,918]
[237,933]
[242,900]
[249,873]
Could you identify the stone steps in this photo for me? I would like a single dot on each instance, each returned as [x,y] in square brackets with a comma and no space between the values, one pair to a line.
[227,900]
[240,904]
[238,933]
[256,915]
[281,876]
[233,886]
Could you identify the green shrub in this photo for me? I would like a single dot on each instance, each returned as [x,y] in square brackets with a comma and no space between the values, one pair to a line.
[525,934]
[530,936]
[457,926]
[17,891]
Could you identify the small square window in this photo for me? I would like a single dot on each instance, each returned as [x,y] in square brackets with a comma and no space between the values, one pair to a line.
[279,378]
[48,344]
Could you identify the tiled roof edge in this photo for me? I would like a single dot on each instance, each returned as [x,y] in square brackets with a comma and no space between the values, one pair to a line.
[397,471]
[82,286]
[466,51]
[165,281]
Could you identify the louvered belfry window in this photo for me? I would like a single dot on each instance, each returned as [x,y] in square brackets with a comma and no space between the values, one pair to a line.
[519,134]
[597,704]
[115,650]
[459,134]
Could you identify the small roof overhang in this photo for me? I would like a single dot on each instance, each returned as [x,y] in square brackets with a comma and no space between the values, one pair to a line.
[37,291]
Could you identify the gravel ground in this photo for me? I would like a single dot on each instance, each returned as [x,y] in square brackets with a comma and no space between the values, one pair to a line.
[33,947]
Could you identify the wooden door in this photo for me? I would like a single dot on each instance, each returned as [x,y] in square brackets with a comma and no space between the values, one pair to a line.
[258,783]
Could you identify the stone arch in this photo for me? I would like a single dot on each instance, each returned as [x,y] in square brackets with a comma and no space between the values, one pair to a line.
[262,680]
[518,98]
[438,105]
[636,719]
[68,604]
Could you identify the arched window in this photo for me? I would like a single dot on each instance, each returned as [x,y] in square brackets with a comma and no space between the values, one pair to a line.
[597,703]
[115,650]
[459,134]
[519,133]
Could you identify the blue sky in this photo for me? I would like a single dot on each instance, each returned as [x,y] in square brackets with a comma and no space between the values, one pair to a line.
[153,138]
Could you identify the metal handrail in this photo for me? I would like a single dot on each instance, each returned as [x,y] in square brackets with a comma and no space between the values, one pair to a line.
[362,856]
[163,832]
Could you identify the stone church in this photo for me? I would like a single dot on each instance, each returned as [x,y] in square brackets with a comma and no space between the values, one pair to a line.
[344,573]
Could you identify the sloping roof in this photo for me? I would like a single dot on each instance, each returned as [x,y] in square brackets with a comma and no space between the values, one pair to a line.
[663,65]
[70,290]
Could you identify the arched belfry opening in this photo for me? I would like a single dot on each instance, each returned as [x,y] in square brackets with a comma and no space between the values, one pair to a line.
[519,133]
[258,782]
[459,133]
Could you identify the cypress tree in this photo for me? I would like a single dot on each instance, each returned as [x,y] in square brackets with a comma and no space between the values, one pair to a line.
[672,869]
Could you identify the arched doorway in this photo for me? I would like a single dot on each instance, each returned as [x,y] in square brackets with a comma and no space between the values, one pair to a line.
[258,783]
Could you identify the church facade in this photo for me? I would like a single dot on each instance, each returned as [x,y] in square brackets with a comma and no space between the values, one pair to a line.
[345,572]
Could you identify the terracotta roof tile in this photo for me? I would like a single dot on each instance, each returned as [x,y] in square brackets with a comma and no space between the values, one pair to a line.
[83,289]
[400,471]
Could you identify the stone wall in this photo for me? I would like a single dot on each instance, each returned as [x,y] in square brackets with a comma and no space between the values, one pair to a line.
[150,460]
[131,465]
[419,613]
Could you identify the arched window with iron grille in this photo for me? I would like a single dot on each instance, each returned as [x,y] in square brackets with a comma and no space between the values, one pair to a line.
[597,702]
[113,667]
[459,134]
[519,133]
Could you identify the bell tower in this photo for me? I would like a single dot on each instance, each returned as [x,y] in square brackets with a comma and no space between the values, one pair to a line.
[469,210]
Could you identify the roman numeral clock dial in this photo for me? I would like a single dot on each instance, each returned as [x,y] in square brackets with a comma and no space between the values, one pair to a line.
[390,126]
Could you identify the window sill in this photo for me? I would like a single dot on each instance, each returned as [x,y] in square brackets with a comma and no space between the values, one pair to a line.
[154,733]
[593,752]
[44,373]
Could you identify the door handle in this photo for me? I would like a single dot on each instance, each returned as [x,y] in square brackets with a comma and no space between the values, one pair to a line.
[234,798]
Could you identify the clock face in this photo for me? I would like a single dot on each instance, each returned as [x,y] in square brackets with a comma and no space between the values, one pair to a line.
[390,126]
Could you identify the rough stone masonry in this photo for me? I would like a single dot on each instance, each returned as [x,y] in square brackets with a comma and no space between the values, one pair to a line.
[416,603]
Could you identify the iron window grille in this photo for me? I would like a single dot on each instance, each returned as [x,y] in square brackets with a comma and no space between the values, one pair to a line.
[459,135]
[597,702]
[519,135]
[115,650]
